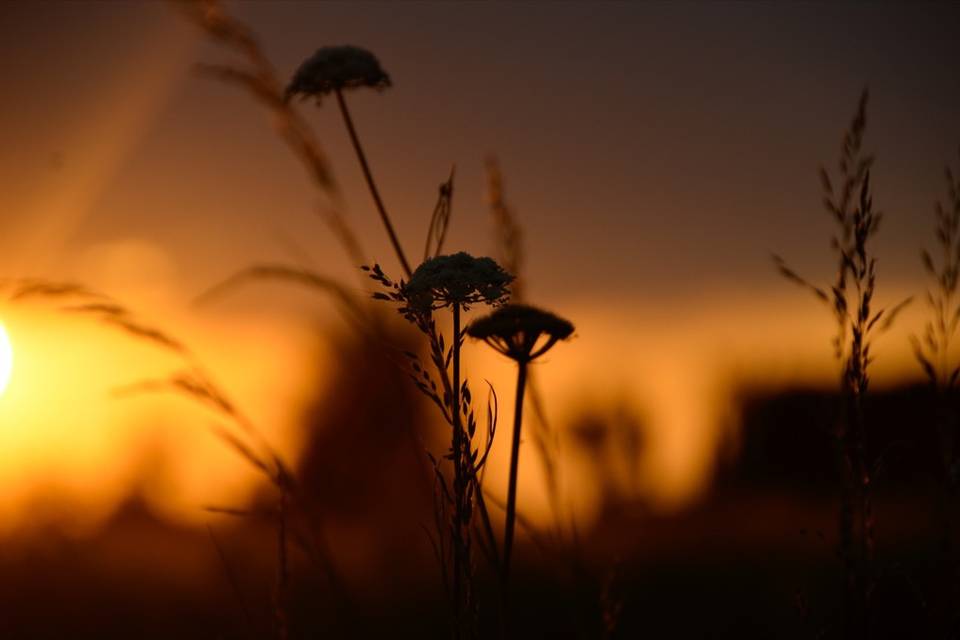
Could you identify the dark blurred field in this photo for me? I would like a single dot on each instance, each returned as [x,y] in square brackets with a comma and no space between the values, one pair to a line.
[754,558]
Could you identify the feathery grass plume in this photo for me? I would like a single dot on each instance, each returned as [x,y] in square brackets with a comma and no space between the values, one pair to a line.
[257,76]
[347,303]
[508,232]
[851,301]
[522,333]
[36,287]
[934,353]
[456,282]
[440,219]
[334,70]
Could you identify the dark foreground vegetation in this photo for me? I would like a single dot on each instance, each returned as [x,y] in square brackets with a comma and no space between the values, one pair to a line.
[754,558]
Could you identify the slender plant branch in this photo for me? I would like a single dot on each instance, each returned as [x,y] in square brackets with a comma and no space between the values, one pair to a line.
[361,156]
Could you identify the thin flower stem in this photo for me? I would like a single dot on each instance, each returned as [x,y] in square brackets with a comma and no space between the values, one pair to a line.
[514,463]
[458,475]
[361,156]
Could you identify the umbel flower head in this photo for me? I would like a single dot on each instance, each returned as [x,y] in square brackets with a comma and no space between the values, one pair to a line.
[333,68]
[458,279]
[516,330]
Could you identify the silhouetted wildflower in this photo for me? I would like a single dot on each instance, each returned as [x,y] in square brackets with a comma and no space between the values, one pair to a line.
[515,330]
[453,282]
[522,333]
[331,70]
[334,68]
[456,280]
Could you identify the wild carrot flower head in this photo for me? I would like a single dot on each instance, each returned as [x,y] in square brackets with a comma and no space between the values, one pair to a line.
[520,332]
[334,68]
[458,279]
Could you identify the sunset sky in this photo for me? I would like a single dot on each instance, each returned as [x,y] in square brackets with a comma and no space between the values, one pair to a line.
[655,153]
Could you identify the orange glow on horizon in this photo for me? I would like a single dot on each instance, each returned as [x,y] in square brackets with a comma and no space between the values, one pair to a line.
[63,431]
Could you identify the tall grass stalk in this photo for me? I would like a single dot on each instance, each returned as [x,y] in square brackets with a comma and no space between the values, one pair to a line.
[851,300]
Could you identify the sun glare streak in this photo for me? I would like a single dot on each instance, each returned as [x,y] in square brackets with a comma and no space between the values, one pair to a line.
[6,359]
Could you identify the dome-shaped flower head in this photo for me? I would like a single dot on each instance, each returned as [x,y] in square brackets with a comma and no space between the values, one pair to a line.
[333,68]
[520,332]
[458,279]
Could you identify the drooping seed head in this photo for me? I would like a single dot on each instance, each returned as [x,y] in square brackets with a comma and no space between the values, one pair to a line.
[458,279]
[334,68]
[520,332]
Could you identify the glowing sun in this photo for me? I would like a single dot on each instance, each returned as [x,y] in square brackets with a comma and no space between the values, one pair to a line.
[6,358]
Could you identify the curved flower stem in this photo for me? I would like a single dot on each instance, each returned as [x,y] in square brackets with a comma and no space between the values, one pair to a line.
[514,460]
[361,156]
